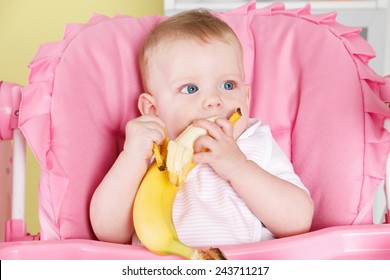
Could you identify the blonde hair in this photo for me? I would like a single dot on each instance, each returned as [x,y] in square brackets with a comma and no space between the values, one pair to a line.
[198,25]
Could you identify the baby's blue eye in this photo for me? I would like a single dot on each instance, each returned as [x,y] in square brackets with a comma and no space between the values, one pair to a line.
[229,85]
[189,89]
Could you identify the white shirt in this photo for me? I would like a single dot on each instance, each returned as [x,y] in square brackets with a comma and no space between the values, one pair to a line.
[208,212]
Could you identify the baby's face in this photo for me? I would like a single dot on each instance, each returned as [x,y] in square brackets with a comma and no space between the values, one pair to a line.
[191,80]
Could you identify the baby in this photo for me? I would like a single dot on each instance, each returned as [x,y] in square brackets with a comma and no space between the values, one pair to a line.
[243,188]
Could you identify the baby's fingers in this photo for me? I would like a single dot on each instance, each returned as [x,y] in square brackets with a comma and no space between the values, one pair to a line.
[151,118]
[225,126]
[147,126]
[204,143]
[155,136]
[203,157]
[211,127]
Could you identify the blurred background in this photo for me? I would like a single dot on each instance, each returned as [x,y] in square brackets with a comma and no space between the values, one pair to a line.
[26,24]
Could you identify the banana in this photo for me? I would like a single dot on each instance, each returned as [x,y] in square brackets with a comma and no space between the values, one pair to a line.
[179,159]
[153,205]
[180,151]
[160,155]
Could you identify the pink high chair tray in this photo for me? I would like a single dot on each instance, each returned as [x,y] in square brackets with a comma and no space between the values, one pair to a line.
[371,242]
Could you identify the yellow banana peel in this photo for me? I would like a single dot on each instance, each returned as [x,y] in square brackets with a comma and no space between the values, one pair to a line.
[153,204]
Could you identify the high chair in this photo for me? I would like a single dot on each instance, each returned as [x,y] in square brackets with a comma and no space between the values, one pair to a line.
[311,83]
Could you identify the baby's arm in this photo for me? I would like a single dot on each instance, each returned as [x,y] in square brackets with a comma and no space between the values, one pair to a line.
[282,207]
[111,204]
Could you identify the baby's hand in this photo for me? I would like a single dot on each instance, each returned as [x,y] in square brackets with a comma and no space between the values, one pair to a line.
[218,148]
[141,133]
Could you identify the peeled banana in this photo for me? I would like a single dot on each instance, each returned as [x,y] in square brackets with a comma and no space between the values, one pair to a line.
[153,204]
[180,151]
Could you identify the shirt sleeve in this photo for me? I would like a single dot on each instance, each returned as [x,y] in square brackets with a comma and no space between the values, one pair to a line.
[259,146]
[279,165]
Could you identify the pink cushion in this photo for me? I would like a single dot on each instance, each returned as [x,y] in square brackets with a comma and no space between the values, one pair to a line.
[310,83]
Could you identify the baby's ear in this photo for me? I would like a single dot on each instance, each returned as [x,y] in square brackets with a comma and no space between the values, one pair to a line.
[146,104]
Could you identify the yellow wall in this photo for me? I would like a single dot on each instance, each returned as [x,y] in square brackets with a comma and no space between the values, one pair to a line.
[25,25]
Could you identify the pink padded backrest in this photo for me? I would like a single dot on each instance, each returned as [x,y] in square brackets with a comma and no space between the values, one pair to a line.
[310,83]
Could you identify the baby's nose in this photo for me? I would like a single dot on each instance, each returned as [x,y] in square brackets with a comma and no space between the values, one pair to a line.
[213,101]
